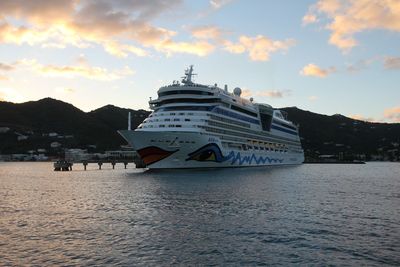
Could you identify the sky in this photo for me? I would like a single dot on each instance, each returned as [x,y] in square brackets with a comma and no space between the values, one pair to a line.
[325,56]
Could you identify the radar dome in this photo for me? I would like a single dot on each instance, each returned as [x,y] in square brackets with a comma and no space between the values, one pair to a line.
[237,91]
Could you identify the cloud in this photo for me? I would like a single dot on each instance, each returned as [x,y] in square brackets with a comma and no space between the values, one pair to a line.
[391,63]
[6,67]
[122,50]
[95,73]
[313,70]
[10,95]
[65,90]
[213,6]
[199,48]
[362,118]
[359,65]
[217,4]
[265,93]
[346,18]
[259,48]
[309,18]
[392,114]
[271,94]
[38,11]
[207,32]
[313,98]
[71,71]
[120,27]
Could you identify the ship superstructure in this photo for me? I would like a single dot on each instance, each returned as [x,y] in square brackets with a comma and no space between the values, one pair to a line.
[195,126]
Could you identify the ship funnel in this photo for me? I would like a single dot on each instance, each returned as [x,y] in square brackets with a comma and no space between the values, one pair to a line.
[226,88]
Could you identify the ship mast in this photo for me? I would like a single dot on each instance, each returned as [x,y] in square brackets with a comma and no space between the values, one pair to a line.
[187,79]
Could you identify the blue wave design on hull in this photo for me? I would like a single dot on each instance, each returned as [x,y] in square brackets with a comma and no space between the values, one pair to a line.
[212,152]
[237,158]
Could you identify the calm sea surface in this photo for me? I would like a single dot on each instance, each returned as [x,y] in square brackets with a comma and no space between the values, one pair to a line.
[304,215]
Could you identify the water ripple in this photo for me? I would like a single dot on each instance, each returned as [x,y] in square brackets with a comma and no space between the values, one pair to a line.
[305,215]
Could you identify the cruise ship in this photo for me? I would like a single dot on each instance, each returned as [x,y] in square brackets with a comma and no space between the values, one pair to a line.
[201,126]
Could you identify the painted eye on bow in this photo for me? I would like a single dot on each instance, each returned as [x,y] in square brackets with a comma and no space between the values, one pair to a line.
[210,152]
[207,155]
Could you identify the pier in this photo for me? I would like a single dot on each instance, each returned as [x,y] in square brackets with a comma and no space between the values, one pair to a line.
[138,163]
[66,165]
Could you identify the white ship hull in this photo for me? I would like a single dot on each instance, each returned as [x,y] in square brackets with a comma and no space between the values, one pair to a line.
[200,126]
[164,150]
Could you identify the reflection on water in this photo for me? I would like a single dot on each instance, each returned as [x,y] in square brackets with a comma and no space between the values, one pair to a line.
[309,214]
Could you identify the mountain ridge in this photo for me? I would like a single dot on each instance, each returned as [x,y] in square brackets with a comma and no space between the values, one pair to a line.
[320,134]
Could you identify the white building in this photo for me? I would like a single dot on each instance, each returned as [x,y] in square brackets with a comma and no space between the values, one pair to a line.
[4,129]
[77,154]
[55,145]
[22,137]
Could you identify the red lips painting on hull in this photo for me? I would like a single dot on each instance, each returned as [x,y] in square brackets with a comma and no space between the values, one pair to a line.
[152,154]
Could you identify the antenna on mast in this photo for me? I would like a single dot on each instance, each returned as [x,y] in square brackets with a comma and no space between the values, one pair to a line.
[129,121]
[187,79]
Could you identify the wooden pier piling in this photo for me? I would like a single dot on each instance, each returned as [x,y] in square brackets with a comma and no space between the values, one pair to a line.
[100,163]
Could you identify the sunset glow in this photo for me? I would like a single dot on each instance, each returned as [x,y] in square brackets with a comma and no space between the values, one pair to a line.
[326,56]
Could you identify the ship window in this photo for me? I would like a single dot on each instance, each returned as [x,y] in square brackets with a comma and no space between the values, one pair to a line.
[178,125]
[167,120]
[181,113]
[187,92]
[234,115]
[172,114]
[176,119]
[186,100]
[199,108]
[244,111]
[265,121]
[170,125]
[187,119]
[162,125]
[285,125]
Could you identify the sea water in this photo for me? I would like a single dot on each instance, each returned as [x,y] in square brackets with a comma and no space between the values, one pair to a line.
[303,215]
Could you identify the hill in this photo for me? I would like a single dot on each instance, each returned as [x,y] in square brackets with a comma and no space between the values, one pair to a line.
[52,124]
[38,124]
[337,134]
